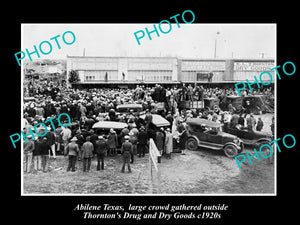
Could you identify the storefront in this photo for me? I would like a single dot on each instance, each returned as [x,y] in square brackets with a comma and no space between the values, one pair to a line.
[198,71]
[165,70]
[124,69]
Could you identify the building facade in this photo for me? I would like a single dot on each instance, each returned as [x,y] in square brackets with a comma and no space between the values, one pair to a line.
[124,69]
[99,70]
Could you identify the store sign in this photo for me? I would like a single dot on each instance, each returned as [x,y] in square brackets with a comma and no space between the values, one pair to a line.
[94,66]
[202,65]
[150,66]
[253,66]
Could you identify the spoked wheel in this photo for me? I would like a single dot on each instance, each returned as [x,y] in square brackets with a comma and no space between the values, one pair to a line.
[263,148]
[230,151]
[192,144]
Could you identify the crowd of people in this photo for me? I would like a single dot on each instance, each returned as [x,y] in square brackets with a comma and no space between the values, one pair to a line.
[80,142]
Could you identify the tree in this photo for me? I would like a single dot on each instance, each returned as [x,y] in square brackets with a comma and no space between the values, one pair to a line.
[73,76]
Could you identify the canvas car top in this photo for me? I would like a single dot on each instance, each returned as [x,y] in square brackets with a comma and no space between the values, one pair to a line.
[109,124]
[198,121]
[157,120]
[122,106]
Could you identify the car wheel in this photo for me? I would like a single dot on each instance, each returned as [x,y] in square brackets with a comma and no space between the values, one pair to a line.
[192,144]
[230,151]
[265,150]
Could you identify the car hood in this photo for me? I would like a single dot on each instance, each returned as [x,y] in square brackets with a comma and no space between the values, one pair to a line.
[224,134]
[262,133]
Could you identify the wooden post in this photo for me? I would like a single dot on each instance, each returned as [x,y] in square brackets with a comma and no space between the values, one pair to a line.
[150,176]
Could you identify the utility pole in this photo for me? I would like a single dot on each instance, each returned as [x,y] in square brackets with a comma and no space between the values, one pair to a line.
[215,55]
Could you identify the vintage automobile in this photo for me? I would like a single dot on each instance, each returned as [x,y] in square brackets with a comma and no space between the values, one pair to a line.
[236,102]
[157,123]
[157,120]
[257,104]
[127,108]
[103,127]
[206,133]
[250,137]
[211,103]
[191,105]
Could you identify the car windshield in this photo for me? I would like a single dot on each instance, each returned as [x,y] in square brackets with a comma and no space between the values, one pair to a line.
[203,129]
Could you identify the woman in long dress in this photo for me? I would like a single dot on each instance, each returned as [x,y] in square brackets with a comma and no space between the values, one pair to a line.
[168,143]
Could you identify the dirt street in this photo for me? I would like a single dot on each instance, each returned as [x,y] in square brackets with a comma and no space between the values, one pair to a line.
[198,172]
[203,172]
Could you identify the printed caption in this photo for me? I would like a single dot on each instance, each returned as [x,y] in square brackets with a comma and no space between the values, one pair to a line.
[161,212]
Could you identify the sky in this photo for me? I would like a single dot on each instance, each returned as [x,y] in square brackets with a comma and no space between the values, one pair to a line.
[189,41]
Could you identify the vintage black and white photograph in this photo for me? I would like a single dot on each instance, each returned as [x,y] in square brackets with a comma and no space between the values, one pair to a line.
[148,109]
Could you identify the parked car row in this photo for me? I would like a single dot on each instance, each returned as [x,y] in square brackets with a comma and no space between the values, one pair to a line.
[208,134]
[252,104]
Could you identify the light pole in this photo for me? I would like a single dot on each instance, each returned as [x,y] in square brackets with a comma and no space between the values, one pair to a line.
[215,55]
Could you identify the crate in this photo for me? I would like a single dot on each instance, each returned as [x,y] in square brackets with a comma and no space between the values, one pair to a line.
[197,105]
[191,104]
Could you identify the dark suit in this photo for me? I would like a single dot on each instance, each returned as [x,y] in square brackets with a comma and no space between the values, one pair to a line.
[142,143]
[126,152]
[100,149]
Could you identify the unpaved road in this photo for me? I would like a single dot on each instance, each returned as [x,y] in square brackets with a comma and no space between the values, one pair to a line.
[200,172]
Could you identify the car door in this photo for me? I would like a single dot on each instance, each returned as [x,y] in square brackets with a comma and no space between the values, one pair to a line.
[213,138]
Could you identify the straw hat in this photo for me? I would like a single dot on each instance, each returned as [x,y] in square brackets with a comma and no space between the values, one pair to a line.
[74,139]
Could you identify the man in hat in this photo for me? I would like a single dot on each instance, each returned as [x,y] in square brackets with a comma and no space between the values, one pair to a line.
[94,137]
[87,154]
[183,136]
[126,153]
[133,141]
[251,121]
[37,158]
[43,149]
[142,140]
[100,150]
[72,150]
[80,141]
[28,150]
[51,141]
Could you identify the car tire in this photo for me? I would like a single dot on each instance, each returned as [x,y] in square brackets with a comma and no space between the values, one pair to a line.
[230,150]
[192,144]
[264,149]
